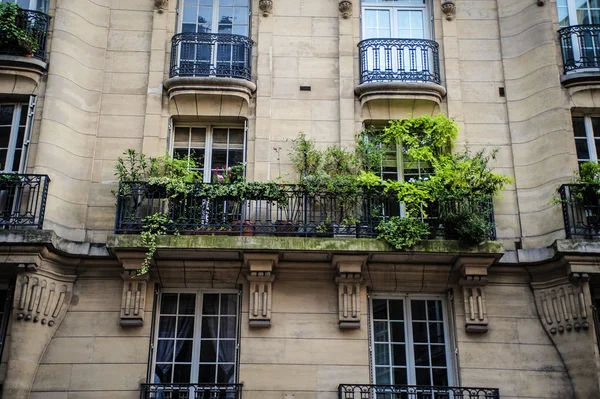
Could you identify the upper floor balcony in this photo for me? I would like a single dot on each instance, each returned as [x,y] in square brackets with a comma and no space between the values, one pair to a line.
[399,68]
[580,45]
[210,63]
[23,200]
[23,37]
[352,391]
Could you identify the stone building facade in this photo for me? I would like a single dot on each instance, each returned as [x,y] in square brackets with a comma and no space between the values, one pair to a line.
[282,316]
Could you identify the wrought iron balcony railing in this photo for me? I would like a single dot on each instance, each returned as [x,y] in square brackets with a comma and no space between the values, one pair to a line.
[290,210]
[35,24]
[399,60]
[211,54]
[191,391]
[580,47]
[349,391]
[581,210]
[23,200]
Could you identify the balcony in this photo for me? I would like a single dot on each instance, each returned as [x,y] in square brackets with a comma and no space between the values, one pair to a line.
[399,68]
[189,391]
[23,200]
[28,58]
[581,210]
[210,64]
[276,210]
[580,46]
[347,391]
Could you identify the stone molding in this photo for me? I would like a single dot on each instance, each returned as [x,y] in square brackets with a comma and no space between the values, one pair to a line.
[449,9]
[345,7]
[27,67]
[260,278]
[266,6]
[202,85]
[349,279]
[473,280]
[400,91]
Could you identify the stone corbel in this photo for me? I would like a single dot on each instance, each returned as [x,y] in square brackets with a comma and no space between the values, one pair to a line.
[133,299]
[349,279]
[160,5]
[540,3]
[473,281]
[266,6]
[449,9]
[260,278]
[345,7]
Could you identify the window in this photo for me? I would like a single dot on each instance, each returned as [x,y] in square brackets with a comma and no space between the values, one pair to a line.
[404,19]
[15,125]
[218,16]
[410,342]
[34,5]
[213,147]
[197,338]
[587,138]
[578,12]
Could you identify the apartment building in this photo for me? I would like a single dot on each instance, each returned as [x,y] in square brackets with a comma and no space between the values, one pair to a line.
[273,306]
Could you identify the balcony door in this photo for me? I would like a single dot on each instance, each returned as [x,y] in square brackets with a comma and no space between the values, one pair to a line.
[206,53]
[584,47]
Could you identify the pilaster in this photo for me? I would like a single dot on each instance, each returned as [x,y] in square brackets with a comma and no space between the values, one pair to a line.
[473,280]
[260,278]
[349,279]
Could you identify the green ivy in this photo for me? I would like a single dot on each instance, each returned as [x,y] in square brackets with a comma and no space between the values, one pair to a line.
[13,35]
[402,233]
[155,225]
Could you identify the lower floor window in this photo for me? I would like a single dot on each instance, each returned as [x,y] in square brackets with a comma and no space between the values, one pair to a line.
[196,338]
[15,123]
[410,342]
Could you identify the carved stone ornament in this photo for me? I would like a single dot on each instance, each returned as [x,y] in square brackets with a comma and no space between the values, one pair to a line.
[266,6]
[260,279]
[345,7]
[474,300]
[160,5]
[541,2]
[348,279]
[133,300]
[449,9]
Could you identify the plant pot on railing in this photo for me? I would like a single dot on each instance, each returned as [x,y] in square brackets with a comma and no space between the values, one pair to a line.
[284,228]
[247,227]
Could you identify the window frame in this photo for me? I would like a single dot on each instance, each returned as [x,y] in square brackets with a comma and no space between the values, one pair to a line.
[18,107]
[394,8]
[208,143]
[589,135]
[449,342]
[215,18]
[196,340]
[34,5]
[572,12]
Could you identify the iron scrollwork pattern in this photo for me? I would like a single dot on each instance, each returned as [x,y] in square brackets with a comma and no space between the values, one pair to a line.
[347,391]
[580,46]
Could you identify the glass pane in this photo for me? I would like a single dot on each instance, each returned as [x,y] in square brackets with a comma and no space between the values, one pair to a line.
[397,331]
[226,351]
[236,136]
[168,304]
[382,375]
[181,373]
[396,310]
[399,355]
[400,376]
[226,373]
[198,137]
[236,157]
[440,377]
[418,310]
[166,327]
[227,328]
[578,126]
[240,15]
[207,373]
[189,14]
[438,355]
[434,310]
[187,303]
[209,327]
[184,351]
[381,331]
[596,127]
[4,136]
[423,377]
[205,17]
[220,137]
[164,350]
[219,159]
[16,160]
[208,351]
[382,354]
[162,373]
[379,309]
[582,149]
[20,137]
[185,327]
[421,355]
[420,332]
[228,304]
[436,333]
[210,304]
[6,114]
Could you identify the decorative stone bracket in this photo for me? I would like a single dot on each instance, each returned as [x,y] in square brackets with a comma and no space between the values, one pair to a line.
[449,9]
[160,5]
[473,282]
[345,7]
[348,279]
[133,298]
[266,6]
[260,278]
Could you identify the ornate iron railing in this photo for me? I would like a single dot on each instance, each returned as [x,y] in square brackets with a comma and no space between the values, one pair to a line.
[405,60]
[291,210]
[191,391]
[34,23]
[580,47]
[349,391]
[211,54]
[23,200]
[581,210]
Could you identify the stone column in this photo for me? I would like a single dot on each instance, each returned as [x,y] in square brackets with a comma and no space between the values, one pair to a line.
[41,300]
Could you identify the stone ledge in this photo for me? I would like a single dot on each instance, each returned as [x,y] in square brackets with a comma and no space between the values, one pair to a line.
[51,239]
[211,85]
[30,68]
[400,90]
[580,78]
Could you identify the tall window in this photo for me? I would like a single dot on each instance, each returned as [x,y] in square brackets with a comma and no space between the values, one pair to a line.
[403,19]
[578,12]
[197,338]
[15,121]
[587,137]
[34,5]
[410,342]
[213,147]
[218,16]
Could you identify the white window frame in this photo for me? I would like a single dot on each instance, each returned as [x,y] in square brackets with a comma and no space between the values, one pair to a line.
[206,169]
[34,5]
[408,334]
[393,7]
[215,17]
[14,133]
[589,134]
[195,365]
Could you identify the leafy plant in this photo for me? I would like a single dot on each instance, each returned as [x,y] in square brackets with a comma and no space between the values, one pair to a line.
[368,180]
[13,34]
[370,150]
[174,174]
[154,226]
[589,174]
[402,233]
[416,196]
[305,158]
